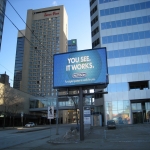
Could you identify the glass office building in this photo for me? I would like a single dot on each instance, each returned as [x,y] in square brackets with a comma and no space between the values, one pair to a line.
[123,27]
[72,45]
[19,60]
[2,7]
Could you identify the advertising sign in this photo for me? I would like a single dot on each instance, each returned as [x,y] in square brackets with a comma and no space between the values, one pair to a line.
[80,68]
[87,115]
[50,112]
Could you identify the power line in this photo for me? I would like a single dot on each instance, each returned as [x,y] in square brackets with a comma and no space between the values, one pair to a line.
[23,34]
[6,68]
[25,23]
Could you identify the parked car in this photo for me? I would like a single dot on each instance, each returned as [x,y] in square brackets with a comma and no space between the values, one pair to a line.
[111,124]
[30,124]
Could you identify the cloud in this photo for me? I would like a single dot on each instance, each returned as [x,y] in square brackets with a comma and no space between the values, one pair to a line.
[54,3]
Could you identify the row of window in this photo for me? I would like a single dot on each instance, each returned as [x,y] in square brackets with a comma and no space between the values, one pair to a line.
[46,26]
[95,43]
[126,8]
[19,55]
[125,22]
[45,20]
[19,58]
[18,68]
[95,31]
[43,37]
[133,68]
[94,20]
[46,30]
[118,105]
[124,86]
[128,52]
[49,37]
[18,65]
[106,1]
[126,37]
[93,10]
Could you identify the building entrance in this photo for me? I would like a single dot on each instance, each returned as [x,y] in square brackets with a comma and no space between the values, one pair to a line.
[137,117]
[140,111]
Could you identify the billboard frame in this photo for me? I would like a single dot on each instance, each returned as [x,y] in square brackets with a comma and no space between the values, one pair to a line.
[83,85]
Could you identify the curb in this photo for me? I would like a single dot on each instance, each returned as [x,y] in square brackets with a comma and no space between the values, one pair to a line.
[31,130]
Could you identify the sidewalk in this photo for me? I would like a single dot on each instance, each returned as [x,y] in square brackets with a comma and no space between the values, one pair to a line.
[25,129]
[36,128]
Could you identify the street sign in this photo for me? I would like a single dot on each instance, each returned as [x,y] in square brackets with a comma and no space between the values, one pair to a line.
[50,112]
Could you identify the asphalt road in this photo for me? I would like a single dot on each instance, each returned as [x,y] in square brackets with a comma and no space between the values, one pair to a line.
[9,138]
[131,137]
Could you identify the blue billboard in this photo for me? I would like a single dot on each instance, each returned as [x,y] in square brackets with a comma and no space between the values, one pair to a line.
[87,67]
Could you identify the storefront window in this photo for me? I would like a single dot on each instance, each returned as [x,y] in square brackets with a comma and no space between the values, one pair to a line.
[114,105]
[147,105]
[118,111]
[136,106]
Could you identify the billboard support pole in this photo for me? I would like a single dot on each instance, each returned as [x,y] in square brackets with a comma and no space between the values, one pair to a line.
[57,115]
[81,114]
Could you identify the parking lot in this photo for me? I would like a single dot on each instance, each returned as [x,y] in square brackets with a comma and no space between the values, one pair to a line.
[124,133]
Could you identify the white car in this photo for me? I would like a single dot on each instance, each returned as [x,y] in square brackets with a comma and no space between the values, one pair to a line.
[30,124]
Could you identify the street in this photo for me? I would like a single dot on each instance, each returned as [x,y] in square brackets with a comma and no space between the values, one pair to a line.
[124,137]
[9,138]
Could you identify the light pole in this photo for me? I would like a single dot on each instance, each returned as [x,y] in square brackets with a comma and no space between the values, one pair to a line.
[57,114]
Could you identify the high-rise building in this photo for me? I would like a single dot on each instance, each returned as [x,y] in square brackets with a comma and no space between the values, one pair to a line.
[123,27]
[2,11]
[48,35]
[72,45]
[19,59]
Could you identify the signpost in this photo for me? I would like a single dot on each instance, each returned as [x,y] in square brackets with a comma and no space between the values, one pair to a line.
[50,115]
[50,112]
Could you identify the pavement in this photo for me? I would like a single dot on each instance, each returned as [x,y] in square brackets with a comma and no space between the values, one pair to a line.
[125,137]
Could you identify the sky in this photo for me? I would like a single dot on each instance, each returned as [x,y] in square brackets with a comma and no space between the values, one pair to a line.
[78,27]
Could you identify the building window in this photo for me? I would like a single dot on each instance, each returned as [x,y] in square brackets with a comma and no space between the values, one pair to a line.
[94,20]
[126,8]
[91,2]
[125,22]
[95,31]
[93,10]
[140,85]
[95,43]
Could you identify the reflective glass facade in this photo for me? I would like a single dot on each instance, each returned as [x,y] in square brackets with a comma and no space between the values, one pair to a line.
[124,29]
[18,62]
[125,8]
[2,7]
[72,45]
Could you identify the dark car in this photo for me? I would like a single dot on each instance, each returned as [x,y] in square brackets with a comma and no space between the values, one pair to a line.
[111,124]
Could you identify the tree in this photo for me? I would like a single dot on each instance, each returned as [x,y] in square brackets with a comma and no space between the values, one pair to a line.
[76,102]
[10,102]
